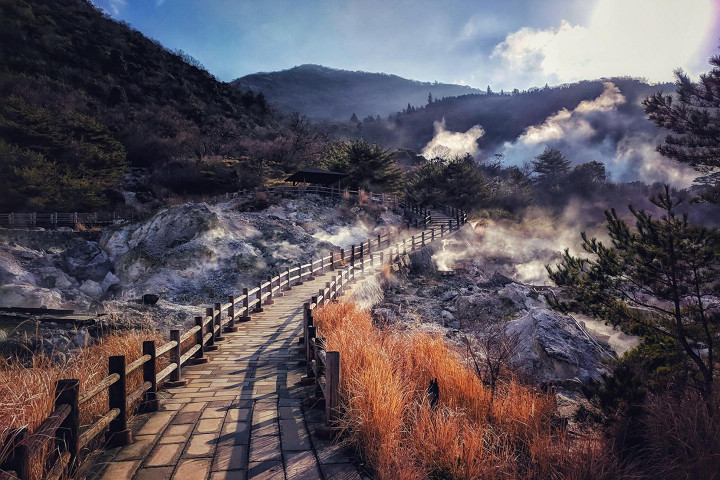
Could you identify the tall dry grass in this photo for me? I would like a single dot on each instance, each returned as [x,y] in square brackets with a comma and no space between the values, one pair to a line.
[27,387]
[468,435]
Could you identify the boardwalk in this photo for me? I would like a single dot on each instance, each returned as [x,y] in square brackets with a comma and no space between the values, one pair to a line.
[239,416]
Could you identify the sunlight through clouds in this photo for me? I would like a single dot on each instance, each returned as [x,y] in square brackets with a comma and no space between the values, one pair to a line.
[641,38]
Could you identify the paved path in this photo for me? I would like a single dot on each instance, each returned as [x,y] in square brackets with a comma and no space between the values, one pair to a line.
[240,415]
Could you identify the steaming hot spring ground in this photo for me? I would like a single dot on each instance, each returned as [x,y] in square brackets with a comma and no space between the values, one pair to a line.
[488,273]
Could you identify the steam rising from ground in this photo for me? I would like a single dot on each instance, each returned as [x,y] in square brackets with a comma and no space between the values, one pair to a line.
[604,129]
[521,249]
[447,144]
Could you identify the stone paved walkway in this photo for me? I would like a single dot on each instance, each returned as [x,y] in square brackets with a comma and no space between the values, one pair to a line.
[239,416]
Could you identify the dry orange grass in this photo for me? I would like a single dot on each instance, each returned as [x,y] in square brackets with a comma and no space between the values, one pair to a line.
[468,435]
[27,391]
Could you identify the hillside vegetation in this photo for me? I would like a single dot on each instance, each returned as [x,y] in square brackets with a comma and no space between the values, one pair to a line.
[323,93]
[83,97]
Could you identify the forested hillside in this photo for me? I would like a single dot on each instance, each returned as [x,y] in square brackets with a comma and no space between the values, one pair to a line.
[502,115]
[83,98]
[332,94]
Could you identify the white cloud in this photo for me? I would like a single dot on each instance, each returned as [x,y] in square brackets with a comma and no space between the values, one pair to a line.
[446,143]
[641,38]
[112,7]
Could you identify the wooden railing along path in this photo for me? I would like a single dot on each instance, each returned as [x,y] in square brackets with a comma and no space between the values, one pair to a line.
[53,449]
[73,219]
[323,366]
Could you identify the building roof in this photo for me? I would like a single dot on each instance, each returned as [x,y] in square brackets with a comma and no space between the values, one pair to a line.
[316,176]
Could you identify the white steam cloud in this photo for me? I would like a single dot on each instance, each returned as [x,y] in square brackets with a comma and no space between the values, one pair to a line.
[521,250]
[446,144]
[597,130]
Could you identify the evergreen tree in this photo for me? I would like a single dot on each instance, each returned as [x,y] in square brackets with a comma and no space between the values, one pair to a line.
[430,98]
[457,182]
[693,117]
[354,118]
[551,168]
[587,177]
[660,279]
[368,166]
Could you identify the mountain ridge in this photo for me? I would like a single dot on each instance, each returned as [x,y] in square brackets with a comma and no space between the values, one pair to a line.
[326,93]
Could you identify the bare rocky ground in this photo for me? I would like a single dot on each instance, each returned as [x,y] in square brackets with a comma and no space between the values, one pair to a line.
[468,302]
[188,255]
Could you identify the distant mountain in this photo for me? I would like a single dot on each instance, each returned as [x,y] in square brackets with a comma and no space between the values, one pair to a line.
[323,93]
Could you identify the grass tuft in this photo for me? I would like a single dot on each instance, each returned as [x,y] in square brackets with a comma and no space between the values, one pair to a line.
[468,435]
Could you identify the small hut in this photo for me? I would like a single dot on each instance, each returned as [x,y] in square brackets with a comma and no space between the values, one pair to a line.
[316,176]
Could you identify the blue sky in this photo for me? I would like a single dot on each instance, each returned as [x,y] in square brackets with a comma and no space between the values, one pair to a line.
[506,44]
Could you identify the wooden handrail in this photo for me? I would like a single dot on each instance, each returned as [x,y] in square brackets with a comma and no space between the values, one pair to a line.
[166,348]
[137,364]
[103,385]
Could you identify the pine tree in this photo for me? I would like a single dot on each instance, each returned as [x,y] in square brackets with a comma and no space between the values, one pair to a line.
[368,166]
[551,169]
[693,117]
[660,278]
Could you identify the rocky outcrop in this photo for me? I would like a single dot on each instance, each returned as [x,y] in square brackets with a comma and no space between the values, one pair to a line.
[86,261]
[555,348]
[29,296]
[509,301]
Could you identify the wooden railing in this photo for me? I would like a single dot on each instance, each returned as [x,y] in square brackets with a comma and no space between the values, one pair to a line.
[14,220]
[53,449]
[323,366]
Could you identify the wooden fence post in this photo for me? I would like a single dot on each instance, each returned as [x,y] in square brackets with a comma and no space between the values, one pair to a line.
[150,400]
[66,393]
[449,226]
[175,354]
[332,261]
[352,255]
[217,318]
[300,279]
[432,234]
[118,433]
[319,369]
[309,351]
[378,241]
[423,238]
[258,306]
[199,339]
[287,285]
[342,256]
[211,347]
[334,287]
[332,382]
[230,327]
[311,274]
[442,231]
[270,300]
[412,246]
[245,307]
[307,322]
